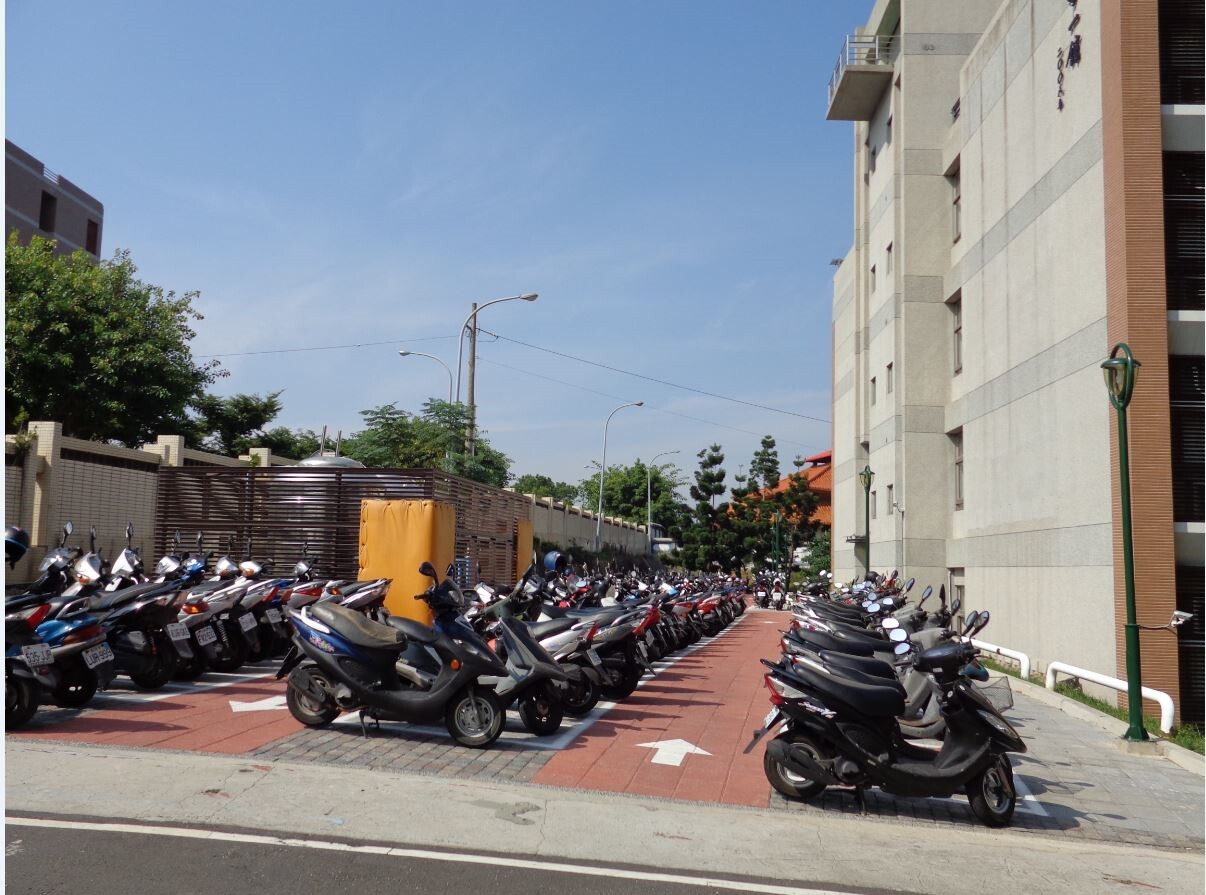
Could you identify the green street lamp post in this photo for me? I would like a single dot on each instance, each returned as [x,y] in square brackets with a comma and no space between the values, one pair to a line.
[1120,380]
[866,477]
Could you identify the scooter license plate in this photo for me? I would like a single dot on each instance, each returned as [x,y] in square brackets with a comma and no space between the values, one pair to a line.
[593,658]
[770,718]
[762,593]
[247,622]
[273,615]
[177,631]
[37,655]
[206,635]
[97,655]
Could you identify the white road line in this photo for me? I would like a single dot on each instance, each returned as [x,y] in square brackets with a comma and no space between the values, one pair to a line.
[425,855]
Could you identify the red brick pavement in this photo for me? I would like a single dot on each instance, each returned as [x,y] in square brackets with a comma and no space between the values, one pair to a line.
[714,698]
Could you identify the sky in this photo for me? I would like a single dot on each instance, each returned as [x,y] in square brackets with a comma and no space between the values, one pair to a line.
[661,173]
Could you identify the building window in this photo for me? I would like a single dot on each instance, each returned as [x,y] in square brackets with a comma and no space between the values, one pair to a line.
[955,303]
[957,444]
[872,278]
[871,162]
[888,130]
[874,506]
[888,380]
[956,203]
[872,391]
[48,212]
[888,261]
[891,503]
[92,241]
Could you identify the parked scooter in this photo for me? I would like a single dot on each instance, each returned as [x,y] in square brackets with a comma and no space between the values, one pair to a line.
[342,661]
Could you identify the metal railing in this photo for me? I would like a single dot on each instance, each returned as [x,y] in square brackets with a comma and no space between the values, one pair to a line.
[1161,698]
[863,49]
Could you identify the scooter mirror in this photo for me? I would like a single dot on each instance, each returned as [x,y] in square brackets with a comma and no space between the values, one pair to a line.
[927,593]
[68,528]
[451,568]
[896,635]
[901,649]
[890,624]
[92,539]
[200,541]
[972,621]
[956,606]
[908,585]
[429,570]
[982,621]
[129,532]
[176,540]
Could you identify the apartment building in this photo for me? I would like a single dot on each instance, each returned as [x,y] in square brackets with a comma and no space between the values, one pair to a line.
[39,202]
[1027,192]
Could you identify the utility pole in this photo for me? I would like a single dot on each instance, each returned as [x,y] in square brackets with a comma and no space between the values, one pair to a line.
[471,432]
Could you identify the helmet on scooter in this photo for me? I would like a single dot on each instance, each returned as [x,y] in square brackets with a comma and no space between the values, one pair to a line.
[555,561]
[16,542]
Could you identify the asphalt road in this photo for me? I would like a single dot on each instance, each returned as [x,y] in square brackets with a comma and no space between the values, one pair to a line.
[48,861]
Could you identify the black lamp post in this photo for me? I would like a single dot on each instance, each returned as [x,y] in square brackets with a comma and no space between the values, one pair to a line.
[866,477]
[1120,380]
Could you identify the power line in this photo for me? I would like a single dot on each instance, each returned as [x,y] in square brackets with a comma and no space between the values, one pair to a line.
[592,391]
[327,347]
[685,388]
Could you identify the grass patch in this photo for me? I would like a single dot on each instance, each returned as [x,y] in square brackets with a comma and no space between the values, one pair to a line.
[1187,736]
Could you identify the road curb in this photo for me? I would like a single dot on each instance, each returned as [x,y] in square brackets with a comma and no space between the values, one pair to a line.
[1178,755]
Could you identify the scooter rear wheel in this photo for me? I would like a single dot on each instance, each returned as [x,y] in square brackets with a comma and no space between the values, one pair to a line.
[233,655]
[629,678]
[580,698]
[475,718]
[787,781]
[20,702]
[77,685]
[992,794]
[162,667]
[308,710]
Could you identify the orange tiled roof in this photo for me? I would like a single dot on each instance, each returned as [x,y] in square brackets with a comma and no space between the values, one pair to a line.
[819,478]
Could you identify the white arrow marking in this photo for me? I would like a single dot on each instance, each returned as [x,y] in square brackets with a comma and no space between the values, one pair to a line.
[269,704]
[672,752]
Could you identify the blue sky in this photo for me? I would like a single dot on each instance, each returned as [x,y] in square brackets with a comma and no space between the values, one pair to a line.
[661,173]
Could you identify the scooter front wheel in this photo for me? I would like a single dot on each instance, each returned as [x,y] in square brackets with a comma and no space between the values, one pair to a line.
[474,718]
[20,701]
[541,712]
[992,794]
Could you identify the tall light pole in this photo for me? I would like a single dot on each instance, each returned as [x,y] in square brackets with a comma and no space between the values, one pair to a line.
[866,477]
[1120,380]
[438,361]
[603,471]
[471,325]
[649,497]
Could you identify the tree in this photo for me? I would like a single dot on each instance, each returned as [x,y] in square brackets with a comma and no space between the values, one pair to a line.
[764,468]
[231,425]
[296,444]
[626,491]
[433,439]
[819,547]
[709,478]
[543,486]
[95,348]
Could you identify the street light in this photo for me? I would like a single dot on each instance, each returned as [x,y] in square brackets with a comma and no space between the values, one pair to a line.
[649,496]
[469,436]
[603,470]
[866,477]
[1119,373]
[438,361]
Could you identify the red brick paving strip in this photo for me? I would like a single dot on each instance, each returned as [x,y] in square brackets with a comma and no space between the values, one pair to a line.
[714,698]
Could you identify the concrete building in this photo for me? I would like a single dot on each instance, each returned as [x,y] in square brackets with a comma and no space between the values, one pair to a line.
[38,202]
[1027,192]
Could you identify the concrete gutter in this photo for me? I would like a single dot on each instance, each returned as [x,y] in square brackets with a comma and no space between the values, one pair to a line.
[1156,748]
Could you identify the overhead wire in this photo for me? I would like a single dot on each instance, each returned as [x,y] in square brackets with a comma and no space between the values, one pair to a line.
[327,347]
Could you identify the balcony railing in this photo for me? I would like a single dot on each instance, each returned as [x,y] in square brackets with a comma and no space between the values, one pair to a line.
[862,49]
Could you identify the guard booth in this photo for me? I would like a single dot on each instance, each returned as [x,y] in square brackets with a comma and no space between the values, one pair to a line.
[342,515]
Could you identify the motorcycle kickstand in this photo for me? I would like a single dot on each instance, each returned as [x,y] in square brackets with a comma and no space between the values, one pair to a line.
[860,798]
[364,726]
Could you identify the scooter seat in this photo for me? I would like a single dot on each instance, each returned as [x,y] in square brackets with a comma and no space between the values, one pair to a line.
[356,628]
[105,601]
[869,699]
[865,664]
[541,630]
[414,630]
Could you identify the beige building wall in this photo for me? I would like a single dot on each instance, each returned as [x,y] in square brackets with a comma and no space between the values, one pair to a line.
[974,92]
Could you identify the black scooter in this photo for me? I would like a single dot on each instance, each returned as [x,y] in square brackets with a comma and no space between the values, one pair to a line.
[836,729]
[341,661]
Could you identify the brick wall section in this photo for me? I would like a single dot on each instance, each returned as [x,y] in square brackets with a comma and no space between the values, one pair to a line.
[1136,309]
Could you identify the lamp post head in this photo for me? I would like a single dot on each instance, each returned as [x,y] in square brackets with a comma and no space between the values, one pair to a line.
[639,404]
[529,296]
[1119,373]
[404,353]
[866,477]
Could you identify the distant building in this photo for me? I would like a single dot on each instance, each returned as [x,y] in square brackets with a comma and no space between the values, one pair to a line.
[38,202]
[818,475]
